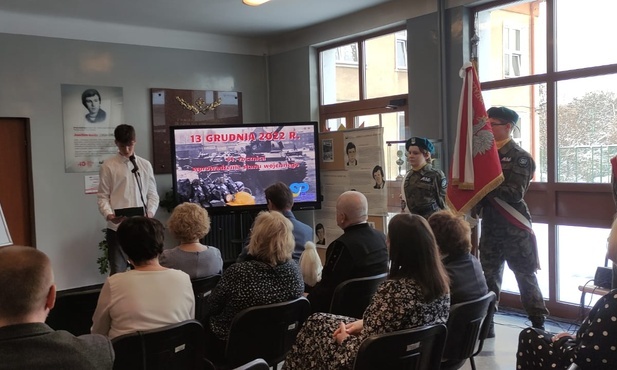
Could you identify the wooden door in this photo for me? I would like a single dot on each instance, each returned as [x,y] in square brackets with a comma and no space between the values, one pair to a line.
[16,179]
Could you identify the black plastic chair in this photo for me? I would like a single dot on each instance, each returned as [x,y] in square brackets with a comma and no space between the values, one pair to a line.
[351,297]
[257,364]
[202,287]
[266,332]
[465,329]
[177,346]
[411,349]
[73,311]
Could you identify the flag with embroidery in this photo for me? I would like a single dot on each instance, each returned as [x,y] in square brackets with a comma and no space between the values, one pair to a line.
[476,168]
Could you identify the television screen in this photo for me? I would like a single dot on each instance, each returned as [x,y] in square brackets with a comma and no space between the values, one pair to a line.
[226,168]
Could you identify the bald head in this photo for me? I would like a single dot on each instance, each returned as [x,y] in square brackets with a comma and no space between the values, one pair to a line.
[26,282]
[351,209]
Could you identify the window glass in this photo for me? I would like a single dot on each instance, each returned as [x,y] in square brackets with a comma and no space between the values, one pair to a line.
[340,80]
[586,128]
[332,124]
[588,43]
[512,40]
[529,101]
[386,65]
[576,268]
[509,281]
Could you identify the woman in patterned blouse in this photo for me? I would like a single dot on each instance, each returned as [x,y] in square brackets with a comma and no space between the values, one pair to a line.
[415,294]
[270,276]
[593,347]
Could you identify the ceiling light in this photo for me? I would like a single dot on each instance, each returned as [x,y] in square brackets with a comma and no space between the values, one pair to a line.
[254,2]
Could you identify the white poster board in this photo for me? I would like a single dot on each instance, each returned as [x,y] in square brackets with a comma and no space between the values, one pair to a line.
[5,236]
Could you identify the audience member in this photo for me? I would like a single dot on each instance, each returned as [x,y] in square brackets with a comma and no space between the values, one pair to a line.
[310,265]
[453,235]
[27,295]
[360,252]
[148,297]
[415,294]
[593,346]
[280,199]
[189,223]
[269,276]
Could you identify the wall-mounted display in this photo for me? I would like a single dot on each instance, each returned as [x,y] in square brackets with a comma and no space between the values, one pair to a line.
[90,114]
[227,168]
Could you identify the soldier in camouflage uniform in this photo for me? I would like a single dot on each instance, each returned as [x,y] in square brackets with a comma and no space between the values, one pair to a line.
[424,187]
[503,238]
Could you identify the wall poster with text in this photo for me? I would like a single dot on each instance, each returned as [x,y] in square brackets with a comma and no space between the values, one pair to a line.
[90,114]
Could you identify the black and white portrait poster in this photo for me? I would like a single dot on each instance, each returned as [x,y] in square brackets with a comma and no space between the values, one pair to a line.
[90,114]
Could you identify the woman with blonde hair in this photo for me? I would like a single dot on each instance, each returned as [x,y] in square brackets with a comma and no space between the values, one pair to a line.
[269,276]
[189,223]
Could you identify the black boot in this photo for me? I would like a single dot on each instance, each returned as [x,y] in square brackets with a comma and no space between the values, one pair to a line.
[537,322]
[491,330]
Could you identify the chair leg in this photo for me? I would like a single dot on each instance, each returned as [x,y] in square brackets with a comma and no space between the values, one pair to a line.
[473,363]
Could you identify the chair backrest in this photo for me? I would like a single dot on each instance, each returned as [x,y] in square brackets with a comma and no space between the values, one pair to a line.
[464,327]
[266,332]
[73,311]
[257,364]
[202,288]
[411,349]
[351,297]
[177,346]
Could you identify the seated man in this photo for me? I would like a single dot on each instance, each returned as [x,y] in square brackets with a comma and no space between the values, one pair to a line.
[27,295]
[280,199]
[360,252]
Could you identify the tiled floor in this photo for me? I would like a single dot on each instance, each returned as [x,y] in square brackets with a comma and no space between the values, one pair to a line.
[499,353]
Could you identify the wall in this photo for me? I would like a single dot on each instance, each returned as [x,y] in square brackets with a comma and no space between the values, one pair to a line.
[67,221]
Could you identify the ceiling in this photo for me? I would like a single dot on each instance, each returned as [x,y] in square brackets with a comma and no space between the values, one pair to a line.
[218,17]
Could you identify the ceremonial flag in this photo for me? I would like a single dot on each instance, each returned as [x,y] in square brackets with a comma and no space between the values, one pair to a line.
[476,168]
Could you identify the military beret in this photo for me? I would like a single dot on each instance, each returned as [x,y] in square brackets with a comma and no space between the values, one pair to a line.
[421,143]
[503,113]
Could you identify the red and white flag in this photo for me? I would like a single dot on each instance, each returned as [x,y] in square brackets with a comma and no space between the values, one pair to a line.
[476,168]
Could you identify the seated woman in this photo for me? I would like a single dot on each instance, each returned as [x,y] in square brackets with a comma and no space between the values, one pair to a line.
[269,276]
[593,346]
[149,296]
[189,223]
[453,236]
[415,294]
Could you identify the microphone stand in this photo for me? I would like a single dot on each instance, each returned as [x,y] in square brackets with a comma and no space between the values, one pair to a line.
[141,194]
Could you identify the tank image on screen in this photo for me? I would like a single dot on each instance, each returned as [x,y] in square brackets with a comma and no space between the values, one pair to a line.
[231,166]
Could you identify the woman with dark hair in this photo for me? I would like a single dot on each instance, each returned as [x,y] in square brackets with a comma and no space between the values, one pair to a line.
[149,296]
[415,294]
[453,236]
[378,177]
[424,187]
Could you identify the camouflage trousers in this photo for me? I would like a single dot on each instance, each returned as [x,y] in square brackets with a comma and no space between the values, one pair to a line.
[505,243]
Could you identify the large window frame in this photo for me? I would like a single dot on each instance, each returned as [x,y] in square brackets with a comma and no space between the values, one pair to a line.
[556,203]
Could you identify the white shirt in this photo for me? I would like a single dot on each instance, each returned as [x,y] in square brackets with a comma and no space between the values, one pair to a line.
[143,300]
[118,186]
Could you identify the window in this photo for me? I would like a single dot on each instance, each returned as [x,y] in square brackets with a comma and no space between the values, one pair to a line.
[401,50]
[512,52]
[347,54]
[373,66]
